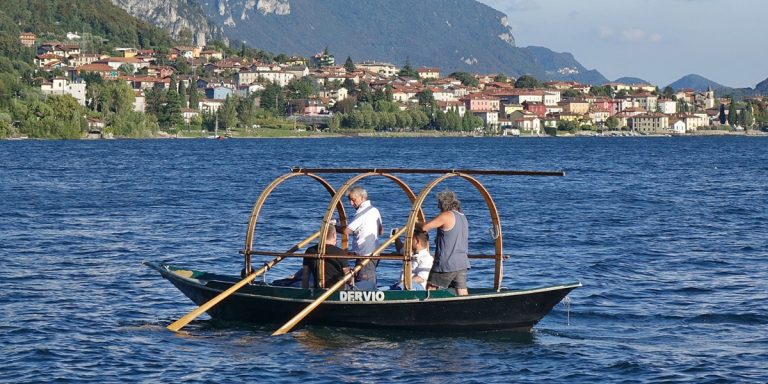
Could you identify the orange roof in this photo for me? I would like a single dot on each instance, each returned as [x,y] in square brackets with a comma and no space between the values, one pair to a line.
[95,68]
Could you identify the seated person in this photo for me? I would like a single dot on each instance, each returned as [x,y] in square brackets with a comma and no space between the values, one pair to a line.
[421,264]
[292,281]
[334,268]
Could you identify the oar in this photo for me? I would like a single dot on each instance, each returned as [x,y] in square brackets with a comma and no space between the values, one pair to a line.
[180,323]
[304,312]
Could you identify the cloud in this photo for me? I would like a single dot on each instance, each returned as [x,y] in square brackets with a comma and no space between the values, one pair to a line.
[605,32]
[633,34]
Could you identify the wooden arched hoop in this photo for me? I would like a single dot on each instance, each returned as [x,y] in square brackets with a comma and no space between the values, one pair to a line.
[263,198]
[336,200]
[413,217]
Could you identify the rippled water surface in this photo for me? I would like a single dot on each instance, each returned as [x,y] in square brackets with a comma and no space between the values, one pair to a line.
[668,236]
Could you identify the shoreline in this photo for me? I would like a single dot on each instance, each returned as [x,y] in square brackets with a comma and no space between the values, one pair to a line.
[390,135]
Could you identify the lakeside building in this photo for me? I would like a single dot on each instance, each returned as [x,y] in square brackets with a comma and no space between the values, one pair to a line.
[649,123]
[384,69]
[428,73]
[63,86]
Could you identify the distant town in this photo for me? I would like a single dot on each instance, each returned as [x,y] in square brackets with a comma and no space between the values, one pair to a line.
[219,94]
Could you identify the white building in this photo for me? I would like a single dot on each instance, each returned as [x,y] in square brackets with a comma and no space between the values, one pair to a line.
[667,106]
[384,69]
[551,97]
[278,77]
[62,86]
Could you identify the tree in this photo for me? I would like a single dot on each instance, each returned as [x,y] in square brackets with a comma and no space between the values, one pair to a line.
[746,119]
[500,78]
[121,96]
[58,117]
[388,96]
[570,94]
[349,84]
[467,123]
[132,124]
[281,58]
[568,125]
[154,100]
[227,113]
[732,114]
[273,99]
[385,106]
[246,111]
[601,91]
[527,81]
[127,69]
[335,123]
[183,67]
[465,78]
[440,121]
[302,88]
[349,66]
[6,126]
[749,117]
[379,95]
[345,106]
[174,86]
[183,94]
[365,95]
[668,92]
[407,70]
[722,115]
[194,97]
[426,98]
[612,123]
[170,112]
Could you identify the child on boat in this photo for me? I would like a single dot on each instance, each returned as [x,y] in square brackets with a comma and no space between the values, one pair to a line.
[421,264]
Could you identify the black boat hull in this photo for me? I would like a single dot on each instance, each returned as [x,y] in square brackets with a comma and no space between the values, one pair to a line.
[482,310]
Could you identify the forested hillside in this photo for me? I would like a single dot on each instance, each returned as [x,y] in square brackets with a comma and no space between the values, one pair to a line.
[101,26]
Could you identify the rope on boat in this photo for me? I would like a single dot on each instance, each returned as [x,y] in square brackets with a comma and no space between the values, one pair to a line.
[493,231]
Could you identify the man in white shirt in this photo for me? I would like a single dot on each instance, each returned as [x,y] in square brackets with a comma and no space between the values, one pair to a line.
[365,229]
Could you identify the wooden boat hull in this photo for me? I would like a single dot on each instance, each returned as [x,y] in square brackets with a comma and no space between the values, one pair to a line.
[482,310]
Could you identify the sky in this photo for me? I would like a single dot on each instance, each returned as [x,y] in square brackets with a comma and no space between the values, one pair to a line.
[659,41]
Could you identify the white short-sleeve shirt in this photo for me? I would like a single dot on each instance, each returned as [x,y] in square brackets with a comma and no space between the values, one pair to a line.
[365,229]
[422,264]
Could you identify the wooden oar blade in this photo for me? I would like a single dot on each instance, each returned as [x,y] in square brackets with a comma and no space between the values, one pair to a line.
[180,323]
[304,312]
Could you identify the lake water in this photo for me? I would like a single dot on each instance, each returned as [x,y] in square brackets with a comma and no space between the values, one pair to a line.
[668,236]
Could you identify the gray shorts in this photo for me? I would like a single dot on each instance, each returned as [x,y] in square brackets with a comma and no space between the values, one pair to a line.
[456,279]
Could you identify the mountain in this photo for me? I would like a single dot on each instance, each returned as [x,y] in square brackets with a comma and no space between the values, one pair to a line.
[762,87]
[101,24]
[175,16]
[631,80]
[695,82]
[563,66]
[700,83]
[454,35]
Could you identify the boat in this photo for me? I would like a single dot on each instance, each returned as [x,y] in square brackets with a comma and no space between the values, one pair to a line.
[238,297]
